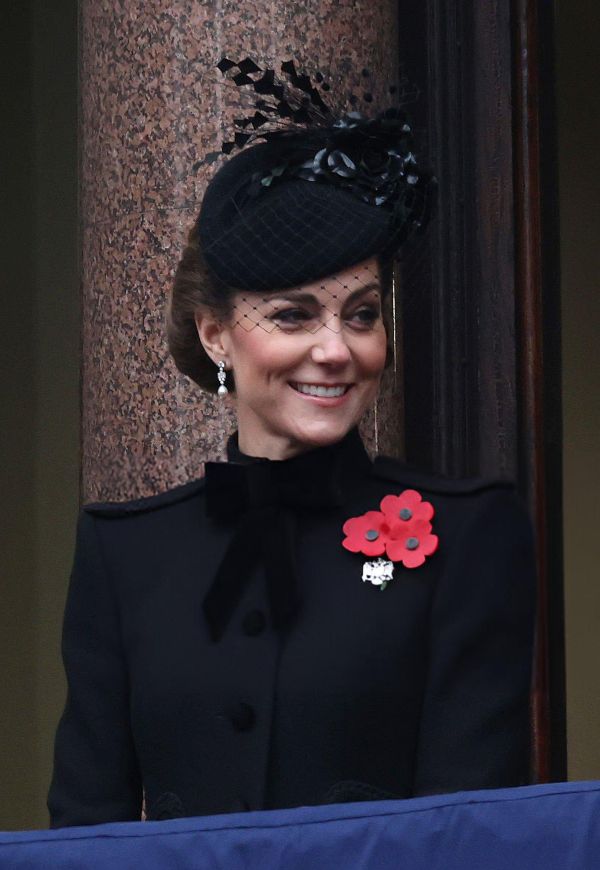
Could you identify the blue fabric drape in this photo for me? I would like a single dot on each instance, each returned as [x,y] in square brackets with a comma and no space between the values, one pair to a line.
[549,827]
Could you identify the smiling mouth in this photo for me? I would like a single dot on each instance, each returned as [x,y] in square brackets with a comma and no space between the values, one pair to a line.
[321,392]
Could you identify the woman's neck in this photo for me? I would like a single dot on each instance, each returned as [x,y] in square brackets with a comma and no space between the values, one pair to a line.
[270,445]
[260,442]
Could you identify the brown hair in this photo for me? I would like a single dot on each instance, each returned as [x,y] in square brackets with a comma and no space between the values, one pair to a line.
[193,287]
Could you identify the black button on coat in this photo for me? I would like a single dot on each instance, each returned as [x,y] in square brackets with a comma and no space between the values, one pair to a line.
[254,622]
[420,688]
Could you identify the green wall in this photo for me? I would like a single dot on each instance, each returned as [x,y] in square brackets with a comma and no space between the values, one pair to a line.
[17,416]
[39,471]
[578,37]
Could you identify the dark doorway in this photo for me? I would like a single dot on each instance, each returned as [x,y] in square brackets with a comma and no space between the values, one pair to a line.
[480,294]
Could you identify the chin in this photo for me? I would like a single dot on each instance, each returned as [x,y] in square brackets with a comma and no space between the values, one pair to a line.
[323,434]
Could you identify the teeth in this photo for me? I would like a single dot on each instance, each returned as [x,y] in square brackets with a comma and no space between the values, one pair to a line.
[322,392]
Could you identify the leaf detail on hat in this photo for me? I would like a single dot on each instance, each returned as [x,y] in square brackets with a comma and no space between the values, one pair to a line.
[292,98]
[370,157]
[225,65]
[248,66]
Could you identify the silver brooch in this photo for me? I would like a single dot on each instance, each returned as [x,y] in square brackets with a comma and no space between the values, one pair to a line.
[379,572]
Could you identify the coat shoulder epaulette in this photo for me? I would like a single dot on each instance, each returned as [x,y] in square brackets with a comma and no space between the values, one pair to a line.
[146,504]
[389,468]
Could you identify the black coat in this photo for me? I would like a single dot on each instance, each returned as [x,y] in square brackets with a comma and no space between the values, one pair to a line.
[417,689]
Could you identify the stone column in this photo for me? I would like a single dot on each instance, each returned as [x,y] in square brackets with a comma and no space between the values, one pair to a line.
[152,104]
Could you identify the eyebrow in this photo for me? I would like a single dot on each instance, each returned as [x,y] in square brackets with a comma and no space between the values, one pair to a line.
[310,299]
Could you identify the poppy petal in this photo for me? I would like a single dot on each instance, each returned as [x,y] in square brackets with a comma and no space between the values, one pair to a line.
[373,548]
[396,549]
[424,511]
[351,544]
[413,558]
[411,498]
[390,504]
[430,544]
[420,528]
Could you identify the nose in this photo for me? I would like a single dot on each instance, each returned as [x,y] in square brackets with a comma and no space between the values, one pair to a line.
[330,347]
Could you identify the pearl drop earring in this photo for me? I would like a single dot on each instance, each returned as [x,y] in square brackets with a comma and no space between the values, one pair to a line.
[221,375]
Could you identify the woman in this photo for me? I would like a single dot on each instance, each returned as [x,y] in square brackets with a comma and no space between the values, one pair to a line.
[303,625]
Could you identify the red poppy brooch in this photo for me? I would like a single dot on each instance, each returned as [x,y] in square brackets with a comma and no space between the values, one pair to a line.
[400,530]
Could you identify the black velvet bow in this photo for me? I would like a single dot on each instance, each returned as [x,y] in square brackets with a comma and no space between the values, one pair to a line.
[233,489]
[261,498]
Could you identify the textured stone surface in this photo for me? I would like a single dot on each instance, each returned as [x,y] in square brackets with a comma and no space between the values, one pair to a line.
[152,105]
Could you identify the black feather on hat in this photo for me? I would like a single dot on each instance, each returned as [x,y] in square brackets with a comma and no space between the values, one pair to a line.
[318,195]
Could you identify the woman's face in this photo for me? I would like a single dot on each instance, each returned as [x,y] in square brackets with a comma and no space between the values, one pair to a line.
[307,361]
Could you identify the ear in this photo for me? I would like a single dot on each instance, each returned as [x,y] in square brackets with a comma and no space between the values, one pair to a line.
[213,334]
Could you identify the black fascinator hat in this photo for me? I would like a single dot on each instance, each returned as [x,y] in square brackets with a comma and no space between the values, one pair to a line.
[321,191]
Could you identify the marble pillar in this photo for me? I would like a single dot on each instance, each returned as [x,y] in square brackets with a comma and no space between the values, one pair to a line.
[152,104]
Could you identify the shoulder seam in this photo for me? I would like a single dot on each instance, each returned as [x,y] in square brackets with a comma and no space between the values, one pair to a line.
[147,503]
[393,469]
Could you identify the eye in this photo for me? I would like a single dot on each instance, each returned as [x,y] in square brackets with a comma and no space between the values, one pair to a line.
[365,316]
[291,318]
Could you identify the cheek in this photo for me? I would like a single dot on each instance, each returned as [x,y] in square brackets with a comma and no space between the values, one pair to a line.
[256,354]
[247,350]
[372,353]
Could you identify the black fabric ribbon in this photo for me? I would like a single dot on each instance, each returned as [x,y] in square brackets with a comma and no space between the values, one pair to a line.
[233,489]
[262,497]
